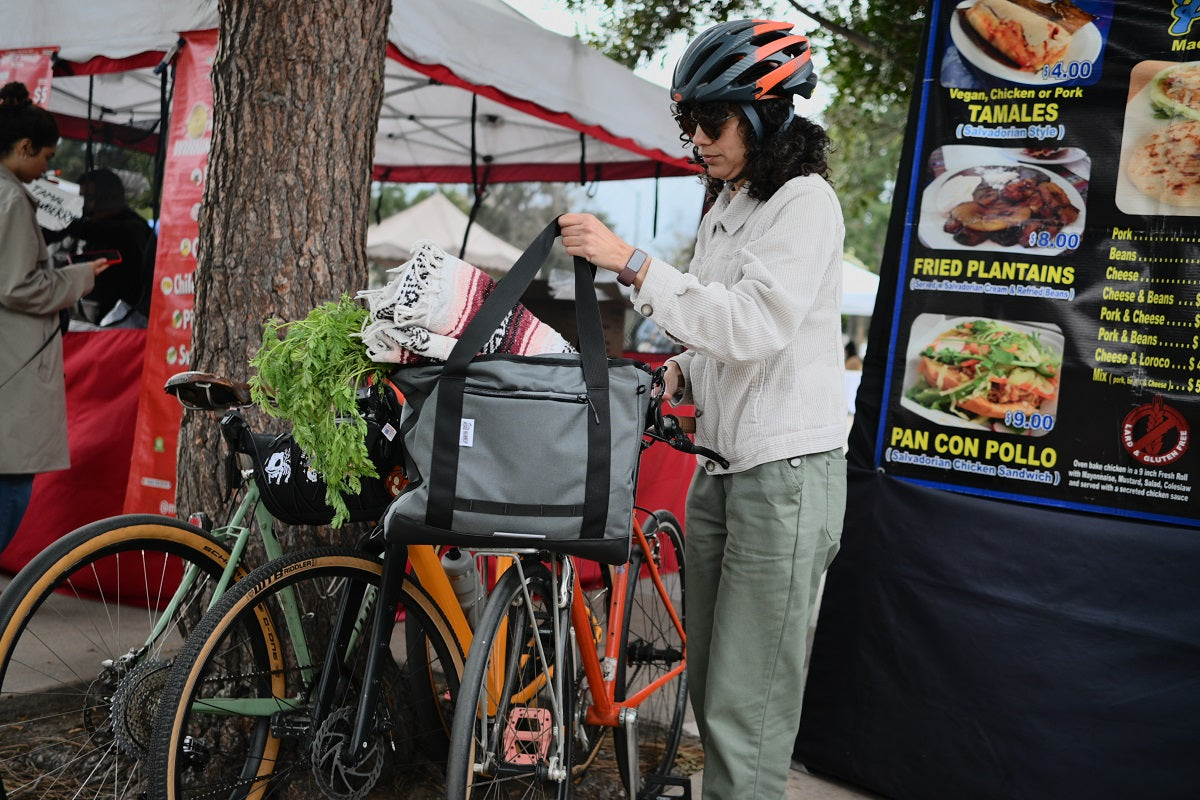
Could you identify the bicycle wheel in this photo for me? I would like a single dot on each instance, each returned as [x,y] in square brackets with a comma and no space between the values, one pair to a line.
[80,669]
[511,736]
[652,647]
[236,719]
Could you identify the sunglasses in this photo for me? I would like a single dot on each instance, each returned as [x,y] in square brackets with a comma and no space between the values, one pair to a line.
[711,122]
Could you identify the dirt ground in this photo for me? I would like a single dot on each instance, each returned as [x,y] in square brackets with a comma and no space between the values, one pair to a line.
[600,782]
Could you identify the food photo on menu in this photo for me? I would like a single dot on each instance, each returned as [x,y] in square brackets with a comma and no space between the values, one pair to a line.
[1159,172]
[1028,200]
[985,374]
[1029,42]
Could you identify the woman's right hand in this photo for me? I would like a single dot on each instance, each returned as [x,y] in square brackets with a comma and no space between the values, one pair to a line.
[99,265]
[673,382]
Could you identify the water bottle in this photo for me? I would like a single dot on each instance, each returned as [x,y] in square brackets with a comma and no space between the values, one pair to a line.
[464,577]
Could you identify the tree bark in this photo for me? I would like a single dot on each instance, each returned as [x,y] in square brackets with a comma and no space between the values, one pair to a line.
[297,88]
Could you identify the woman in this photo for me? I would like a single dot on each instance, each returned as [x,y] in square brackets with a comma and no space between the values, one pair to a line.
[758,311]
[33,425]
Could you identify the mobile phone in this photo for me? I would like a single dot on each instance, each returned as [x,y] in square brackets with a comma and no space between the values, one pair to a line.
[111,256]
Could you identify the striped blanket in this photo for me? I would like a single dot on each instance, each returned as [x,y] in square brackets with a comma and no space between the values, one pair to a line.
[419,315]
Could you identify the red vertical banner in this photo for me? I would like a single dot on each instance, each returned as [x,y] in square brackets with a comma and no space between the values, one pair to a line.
[33,67]
[168,341]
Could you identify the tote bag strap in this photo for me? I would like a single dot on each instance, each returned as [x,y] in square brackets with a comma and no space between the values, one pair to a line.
[443,472]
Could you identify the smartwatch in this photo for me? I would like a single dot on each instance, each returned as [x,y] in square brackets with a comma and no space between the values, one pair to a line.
[634,265]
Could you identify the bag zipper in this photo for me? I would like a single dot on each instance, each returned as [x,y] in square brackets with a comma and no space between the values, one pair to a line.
[560,397]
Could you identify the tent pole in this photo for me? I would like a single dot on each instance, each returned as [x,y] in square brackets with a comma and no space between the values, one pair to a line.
[582,159]
[657,179]
[478,187]
[475,206]
[89,161]
[166,75]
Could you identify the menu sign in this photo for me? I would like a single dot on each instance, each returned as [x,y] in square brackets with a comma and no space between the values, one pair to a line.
[1046,343]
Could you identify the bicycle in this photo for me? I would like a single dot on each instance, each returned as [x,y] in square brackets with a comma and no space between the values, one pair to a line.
[522,707]
[227,689]
[309,701]
[78,719]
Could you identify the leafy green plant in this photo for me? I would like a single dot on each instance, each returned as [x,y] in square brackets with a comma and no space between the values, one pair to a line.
[308,373]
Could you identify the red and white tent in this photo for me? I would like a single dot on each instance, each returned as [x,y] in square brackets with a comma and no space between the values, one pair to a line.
[475,93]
[474,90]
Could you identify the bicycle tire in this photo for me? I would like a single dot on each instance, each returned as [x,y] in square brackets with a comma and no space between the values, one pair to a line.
[651,647]
[242,648]
[75,725]
[509,753]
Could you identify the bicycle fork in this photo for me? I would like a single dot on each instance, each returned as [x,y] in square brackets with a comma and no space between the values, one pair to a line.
[349,623]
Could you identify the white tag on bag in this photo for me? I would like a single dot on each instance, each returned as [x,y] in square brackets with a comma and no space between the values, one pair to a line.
[466,433]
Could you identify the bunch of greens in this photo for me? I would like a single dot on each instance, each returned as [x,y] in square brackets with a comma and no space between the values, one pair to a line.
[308,373]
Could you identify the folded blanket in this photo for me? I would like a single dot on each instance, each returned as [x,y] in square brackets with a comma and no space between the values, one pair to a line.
[419,315]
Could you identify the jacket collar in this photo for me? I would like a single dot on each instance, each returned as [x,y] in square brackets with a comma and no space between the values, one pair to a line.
[8,176]
[731,211]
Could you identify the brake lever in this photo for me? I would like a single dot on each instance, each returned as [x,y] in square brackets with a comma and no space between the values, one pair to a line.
[667,428]
[686,445]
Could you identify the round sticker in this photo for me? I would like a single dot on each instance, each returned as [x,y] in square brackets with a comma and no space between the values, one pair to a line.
[1155,434]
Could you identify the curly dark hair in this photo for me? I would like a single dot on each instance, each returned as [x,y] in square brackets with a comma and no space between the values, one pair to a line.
[801,149]
[21,119]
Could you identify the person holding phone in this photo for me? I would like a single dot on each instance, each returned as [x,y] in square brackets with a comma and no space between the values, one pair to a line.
[111,229]
[33,424]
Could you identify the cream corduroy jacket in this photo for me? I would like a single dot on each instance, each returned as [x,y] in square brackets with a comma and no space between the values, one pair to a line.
[759,312]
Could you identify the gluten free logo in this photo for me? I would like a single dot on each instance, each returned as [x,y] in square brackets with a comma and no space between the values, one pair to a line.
[1155,434]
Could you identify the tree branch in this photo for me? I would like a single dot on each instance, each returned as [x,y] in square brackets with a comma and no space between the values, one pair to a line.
[857,39]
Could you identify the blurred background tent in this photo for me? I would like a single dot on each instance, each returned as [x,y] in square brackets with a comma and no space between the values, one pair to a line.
[859,286]
[438,220]
[475,92]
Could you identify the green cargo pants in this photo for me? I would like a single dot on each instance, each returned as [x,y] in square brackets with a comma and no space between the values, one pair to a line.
[757,543]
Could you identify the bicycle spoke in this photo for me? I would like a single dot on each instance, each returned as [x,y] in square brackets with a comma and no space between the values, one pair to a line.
[78,680]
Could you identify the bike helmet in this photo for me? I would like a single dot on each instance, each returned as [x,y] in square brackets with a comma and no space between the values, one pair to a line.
[742,61]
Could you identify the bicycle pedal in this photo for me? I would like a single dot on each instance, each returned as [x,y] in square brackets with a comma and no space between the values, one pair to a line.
[291,724]
[662,787]
[528,735]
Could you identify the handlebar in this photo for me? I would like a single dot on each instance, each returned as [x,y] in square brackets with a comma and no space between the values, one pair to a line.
[669,428]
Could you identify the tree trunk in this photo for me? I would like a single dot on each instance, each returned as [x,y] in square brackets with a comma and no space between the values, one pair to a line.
[297,87]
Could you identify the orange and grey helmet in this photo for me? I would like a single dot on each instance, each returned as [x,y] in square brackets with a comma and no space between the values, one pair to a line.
[742,61]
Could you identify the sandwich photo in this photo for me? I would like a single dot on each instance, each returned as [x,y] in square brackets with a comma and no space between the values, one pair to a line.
[984,373]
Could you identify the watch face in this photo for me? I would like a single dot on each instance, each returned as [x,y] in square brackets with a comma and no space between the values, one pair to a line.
[629,273]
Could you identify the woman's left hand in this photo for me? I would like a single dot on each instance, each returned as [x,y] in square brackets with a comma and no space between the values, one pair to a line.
[584,235]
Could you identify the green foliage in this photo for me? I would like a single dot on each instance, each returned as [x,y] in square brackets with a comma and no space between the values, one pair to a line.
[136,168]
[868,111]
[633,31]
[308,373]
[392,198]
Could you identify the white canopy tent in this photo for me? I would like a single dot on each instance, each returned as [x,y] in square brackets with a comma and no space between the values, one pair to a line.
[859,287]
[475,92]
[438,220]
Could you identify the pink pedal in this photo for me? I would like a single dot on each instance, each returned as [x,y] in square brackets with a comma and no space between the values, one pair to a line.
[528,733]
